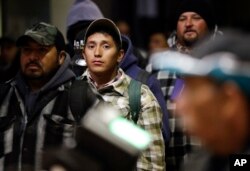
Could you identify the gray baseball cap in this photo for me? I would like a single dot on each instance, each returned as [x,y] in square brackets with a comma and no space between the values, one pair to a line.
[106,25]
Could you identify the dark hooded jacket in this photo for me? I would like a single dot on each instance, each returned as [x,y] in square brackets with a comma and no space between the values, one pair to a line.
[130,67]
[33,122]
[80,15]
[62,76]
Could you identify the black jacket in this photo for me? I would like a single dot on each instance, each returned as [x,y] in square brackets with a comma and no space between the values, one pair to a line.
[31,123]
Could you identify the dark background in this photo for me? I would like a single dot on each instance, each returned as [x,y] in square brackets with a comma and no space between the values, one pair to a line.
[17,15]
[229,13]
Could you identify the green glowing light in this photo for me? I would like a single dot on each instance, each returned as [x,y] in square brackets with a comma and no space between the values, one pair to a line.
[130,133]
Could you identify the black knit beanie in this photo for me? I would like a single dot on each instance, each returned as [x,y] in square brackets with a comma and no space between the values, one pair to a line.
[201,7]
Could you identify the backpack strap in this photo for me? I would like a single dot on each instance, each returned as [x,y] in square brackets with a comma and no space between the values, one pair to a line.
[134,92]
[81,98]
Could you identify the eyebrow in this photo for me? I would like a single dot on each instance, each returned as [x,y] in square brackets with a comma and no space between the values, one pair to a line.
[101,42]
[192,15]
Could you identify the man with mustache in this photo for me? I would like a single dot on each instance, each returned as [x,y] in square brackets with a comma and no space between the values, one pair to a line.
[214,104]
[194,21]
[35,114]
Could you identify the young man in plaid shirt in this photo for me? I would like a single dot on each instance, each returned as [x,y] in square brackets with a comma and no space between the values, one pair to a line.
[102,52]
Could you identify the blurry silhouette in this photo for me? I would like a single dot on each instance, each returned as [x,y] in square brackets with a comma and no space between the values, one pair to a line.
[9,59]
[124,27]
[110,145]
[214,104]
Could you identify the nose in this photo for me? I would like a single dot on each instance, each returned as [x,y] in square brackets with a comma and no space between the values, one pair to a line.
[34,56]
[98,51]
[189,22]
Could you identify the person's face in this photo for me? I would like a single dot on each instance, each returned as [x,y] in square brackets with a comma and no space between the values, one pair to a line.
[123,27]
[191,27]
[8,53]
[213,113]
[102,55]
[157,41]
[39,61]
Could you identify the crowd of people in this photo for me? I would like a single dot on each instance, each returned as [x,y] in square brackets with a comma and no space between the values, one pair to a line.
[191,92]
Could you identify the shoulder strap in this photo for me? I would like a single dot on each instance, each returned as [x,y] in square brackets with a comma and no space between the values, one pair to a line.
[81,98]
[134,92]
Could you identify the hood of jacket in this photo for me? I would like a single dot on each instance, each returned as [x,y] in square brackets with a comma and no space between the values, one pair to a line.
[129,58]
[83,10]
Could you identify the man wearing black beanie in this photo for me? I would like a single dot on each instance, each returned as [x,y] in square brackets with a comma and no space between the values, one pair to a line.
[194,20]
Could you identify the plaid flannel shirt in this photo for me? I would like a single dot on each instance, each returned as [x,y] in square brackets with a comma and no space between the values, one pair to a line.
[180,144]
[150,117]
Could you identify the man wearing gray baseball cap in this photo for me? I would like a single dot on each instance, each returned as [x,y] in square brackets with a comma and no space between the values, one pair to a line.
[103,52]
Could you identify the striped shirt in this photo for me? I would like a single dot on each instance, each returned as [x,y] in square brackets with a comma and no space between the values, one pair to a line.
[24,138]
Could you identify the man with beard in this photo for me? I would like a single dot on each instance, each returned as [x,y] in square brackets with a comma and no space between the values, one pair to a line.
[194,20]
[33,116]
[214,104]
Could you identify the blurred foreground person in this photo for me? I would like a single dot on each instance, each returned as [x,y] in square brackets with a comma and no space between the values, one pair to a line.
[194,21]
[114,144]
[214,103]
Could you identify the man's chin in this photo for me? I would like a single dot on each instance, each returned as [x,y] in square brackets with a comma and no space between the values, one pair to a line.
[33,77]
[190,41]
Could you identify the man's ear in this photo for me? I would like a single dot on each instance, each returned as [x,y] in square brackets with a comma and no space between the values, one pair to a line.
[83,53]
[120,55]
[61,57]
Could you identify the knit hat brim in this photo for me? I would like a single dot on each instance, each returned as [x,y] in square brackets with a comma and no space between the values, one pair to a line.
[201,7]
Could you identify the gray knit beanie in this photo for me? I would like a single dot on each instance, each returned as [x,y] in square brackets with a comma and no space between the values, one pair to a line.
[83,10]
